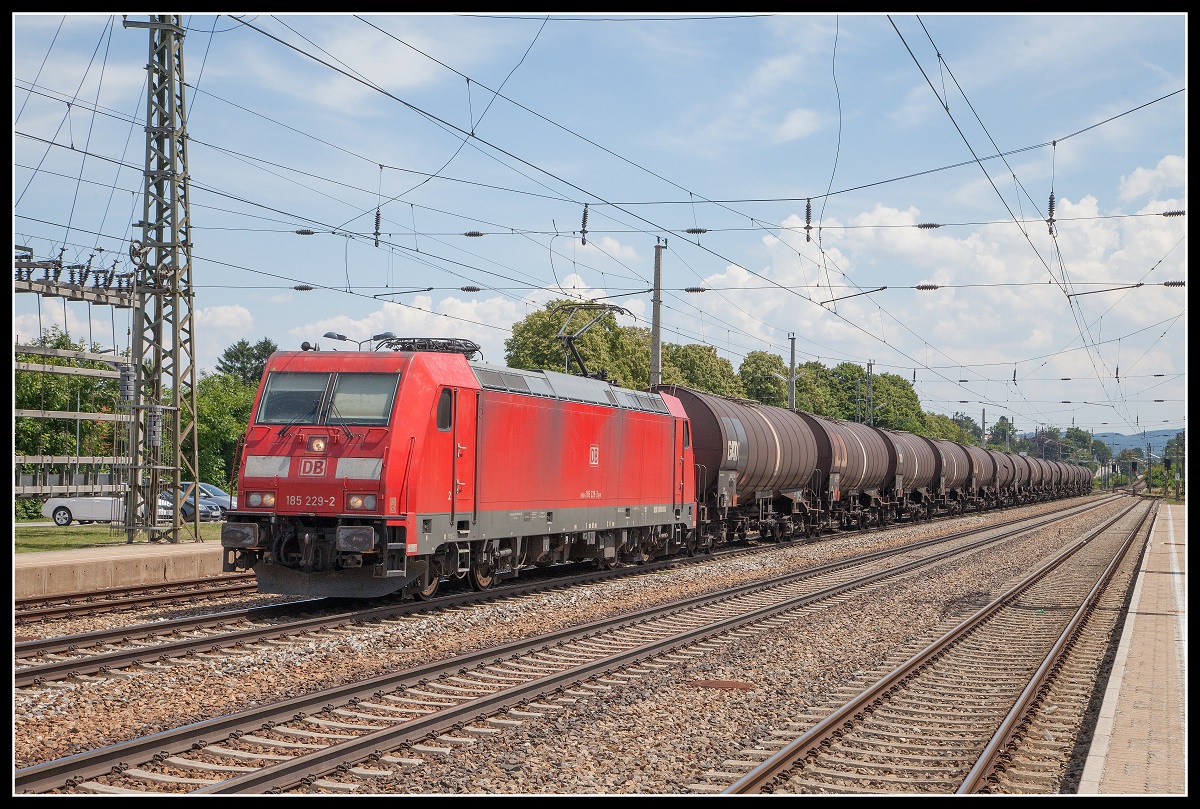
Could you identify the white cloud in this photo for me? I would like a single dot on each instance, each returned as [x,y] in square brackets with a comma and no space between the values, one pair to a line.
[217,328]
[1170,173]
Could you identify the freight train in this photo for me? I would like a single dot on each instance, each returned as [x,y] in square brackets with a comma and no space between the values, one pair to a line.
[367,473]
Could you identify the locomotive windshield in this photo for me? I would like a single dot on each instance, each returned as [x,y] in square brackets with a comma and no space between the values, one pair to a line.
[305,398]
[292,398]
[362,398]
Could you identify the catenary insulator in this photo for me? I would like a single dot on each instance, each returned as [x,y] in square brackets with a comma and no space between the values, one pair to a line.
[473,233]
[695,289]
[928,226]
[302,288]
[583,227]
[127,382]
[1172,213]
[305,232]
[1173,283]
[469,289]
[927,287]
[696,231]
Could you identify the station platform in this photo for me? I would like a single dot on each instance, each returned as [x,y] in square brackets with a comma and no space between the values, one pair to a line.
[1140,745]
[50,573]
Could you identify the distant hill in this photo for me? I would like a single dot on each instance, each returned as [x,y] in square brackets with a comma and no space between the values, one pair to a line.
[1157,439]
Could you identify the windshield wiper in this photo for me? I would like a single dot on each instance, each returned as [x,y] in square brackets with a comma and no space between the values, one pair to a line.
[333,411]
[312,411]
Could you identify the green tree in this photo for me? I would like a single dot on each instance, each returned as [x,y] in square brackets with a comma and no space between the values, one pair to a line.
[1176,450]
[760,374]
[896,404]
[972,433]
[1001,434]
[848,391]
[937,425]
[246,361]
[700,367]
[223,403]
[37,390]
[623,353]
[814,390]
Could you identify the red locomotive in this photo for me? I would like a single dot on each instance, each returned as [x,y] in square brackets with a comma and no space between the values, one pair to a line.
[364,473]
[370,472]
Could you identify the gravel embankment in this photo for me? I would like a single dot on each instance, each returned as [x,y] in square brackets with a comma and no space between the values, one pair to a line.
[655,736]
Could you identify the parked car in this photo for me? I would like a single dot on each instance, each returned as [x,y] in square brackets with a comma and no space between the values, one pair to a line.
[209,509]
[84,510]
[225,500]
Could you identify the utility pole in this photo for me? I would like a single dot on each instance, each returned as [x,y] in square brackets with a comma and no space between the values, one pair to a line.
[871,392]
[162,434]
[656,322]
[792,374]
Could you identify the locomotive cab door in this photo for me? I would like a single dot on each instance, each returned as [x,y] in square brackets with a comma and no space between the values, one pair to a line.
[464,429]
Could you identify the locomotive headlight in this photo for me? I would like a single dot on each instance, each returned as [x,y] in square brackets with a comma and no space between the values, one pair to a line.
[261,499]
[316,443]
[360,502]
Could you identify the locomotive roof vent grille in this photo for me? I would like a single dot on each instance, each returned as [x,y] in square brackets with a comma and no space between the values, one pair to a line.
[448,345]
[515,382]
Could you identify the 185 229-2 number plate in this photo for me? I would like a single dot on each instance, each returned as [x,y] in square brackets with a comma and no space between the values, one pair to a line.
[297,500]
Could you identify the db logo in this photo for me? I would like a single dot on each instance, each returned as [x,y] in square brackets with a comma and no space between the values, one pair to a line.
[312,467]
[594,455]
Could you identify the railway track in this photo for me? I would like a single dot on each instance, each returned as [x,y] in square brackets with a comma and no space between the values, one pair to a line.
[93,602]
[344,738]
[972,712]
[103,651]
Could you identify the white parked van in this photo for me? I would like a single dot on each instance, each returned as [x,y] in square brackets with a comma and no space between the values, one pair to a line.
[84,510]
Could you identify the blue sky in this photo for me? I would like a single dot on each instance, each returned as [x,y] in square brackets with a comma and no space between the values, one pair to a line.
[736,125]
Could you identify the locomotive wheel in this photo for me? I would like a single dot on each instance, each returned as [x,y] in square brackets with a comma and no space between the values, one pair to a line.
[427,590]
[481,577]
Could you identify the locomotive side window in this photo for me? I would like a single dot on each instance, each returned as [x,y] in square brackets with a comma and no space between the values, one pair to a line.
[362,398]
[292,398]
[443,410]
[687,435]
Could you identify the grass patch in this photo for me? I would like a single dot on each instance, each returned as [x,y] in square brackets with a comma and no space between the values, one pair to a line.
[31,538]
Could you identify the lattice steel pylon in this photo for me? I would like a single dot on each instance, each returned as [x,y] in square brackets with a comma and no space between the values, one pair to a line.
[162,435]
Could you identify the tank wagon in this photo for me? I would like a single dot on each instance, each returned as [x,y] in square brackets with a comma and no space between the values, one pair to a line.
[756,472]
[367,473]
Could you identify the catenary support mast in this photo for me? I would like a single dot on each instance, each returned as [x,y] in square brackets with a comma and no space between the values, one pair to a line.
[163,428]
